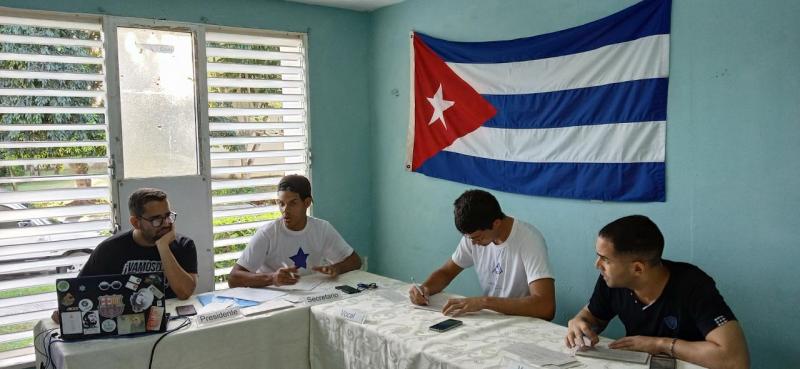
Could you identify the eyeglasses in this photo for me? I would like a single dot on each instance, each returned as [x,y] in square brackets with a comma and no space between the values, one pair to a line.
[157,221]
[104,286]
[364,286]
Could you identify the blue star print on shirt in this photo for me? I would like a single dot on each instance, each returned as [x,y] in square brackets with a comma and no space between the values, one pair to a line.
[299,258]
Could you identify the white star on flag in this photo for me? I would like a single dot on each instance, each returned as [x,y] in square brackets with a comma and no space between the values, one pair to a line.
[439,106]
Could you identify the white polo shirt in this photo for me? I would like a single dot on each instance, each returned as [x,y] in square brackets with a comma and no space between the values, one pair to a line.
[507,269]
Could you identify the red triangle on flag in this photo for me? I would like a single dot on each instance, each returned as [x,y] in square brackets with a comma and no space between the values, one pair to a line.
[445,106]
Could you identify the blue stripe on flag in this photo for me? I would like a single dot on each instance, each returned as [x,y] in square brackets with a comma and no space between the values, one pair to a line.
[590,181]
[647,18]
[635,101]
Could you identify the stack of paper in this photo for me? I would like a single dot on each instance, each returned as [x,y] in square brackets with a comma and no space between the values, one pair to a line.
[252,294]
[541,356]
[616,355]
[267,307]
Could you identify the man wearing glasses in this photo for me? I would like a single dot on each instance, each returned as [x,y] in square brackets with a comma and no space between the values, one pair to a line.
[152,246]
[509,256]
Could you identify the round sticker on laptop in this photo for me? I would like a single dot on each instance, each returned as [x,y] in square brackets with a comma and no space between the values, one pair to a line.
[85,305]
[108,325]
[141,300]
[68,299]
[62,286]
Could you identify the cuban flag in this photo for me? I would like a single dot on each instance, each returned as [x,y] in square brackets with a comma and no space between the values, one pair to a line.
[579,113]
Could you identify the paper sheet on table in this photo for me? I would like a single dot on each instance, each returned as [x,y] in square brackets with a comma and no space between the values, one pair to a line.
[391,295]
[252,294]
[435,302]
[540,356]
[616,355]
[210,297]
[267,307]
[215,306]
[306,283]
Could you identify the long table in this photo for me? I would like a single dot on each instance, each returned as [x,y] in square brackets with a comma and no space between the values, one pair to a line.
[274,340]
[394,335]
[397,335]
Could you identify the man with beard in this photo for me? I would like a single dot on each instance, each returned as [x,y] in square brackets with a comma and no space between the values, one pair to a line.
[667,307]
[152,246]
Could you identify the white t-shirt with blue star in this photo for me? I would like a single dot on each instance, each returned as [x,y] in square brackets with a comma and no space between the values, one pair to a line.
[273,244]
[506,270]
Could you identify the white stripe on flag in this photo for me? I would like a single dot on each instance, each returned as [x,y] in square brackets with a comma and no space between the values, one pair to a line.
[647,57]
[606,143]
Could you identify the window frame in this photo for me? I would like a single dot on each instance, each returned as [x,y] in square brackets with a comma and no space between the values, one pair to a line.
[108,28]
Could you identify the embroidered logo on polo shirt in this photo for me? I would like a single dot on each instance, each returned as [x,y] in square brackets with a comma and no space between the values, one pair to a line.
[497,269]
[720,320]
[671,322]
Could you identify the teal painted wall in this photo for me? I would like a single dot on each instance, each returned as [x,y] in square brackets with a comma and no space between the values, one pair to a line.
[732,169]
[732,157]
[337,60]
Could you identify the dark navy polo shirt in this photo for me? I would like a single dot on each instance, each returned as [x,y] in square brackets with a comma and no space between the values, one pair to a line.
[689,307]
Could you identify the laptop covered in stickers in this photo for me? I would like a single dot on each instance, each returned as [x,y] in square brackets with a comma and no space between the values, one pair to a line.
[111,305]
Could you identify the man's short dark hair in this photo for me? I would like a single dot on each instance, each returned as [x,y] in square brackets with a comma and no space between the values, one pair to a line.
[296,183]
[476,210]
[141,197]
[635,235]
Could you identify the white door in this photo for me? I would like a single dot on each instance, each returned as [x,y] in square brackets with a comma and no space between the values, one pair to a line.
[158,127]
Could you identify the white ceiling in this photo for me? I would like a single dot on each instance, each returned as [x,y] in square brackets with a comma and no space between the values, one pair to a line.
[360,5]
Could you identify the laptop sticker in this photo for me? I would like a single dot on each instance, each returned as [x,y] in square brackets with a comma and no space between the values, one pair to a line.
[68,299]
[141,300]
[109,325]
[156,292]
[154,318]
[130,323]
[62,286]
[110,306]
[153,279]
[133,283]
[91,322]
[86,305]
[71,323]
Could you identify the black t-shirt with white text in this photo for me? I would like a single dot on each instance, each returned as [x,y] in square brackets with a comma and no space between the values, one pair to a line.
[120,254]
[690,306]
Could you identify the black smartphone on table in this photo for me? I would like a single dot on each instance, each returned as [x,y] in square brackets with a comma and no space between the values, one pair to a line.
[185,310]
[347,289]
[446,325]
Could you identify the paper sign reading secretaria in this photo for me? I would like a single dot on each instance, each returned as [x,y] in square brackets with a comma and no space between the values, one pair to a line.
[322,297]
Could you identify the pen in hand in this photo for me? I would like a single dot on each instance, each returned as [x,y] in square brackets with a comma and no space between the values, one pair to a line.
[419,289]
[287,267]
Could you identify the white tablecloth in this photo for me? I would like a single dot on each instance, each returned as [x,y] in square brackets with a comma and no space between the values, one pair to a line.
[272,340]
[397,336]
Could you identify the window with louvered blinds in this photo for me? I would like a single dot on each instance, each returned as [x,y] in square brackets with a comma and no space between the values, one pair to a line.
[257,122]
[54,176]
[55,181]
